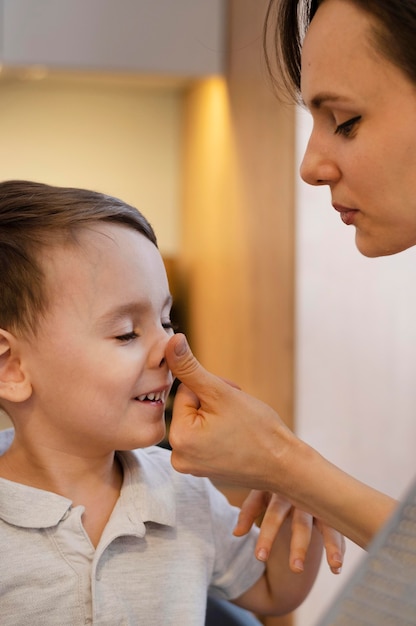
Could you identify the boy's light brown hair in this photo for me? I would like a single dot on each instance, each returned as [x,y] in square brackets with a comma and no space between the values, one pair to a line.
[35,216]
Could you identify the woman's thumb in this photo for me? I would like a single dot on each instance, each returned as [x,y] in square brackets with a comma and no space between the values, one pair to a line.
[184,365]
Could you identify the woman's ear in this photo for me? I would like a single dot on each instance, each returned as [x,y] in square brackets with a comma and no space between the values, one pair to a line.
[15,385]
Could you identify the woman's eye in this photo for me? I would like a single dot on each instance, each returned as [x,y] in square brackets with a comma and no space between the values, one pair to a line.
[346,128]
[127,336]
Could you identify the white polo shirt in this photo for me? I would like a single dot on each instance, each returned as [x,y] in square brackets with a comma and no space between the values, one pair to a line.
[168,541]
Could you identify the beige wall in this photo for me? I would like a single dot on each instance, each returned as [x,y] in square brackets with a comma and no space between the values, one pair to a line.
[112,136]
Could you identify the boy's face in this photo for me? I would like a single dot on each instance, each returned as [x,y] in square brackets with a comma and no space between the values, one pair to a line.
[97,365]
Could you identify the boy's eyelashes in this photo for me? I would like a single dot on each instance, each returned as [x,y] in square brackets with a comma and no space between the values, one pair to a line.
[132,334]
[127,336]
[170,326]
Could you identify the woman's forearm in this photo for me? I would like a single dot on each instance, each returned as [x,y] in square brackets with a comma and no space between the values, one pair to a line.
[314,484]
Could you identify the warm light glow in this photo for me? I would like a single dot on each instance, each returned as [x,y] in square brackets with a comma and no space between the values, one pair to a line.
[213,127]
[214,167]
[215,110]
[35,72]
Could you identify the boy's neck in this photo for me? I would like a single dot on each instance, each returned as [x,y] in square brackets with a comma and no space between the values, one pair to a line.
[57,471]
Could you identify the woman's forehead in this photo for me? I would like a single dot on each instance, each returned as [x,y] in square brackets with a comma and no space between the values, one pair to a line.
[337,51]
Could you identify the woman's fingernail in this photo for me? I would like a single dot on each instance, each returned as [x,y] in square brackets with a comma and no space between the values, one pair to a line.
[181,347]
[262,555]
[298,565]
[337,558]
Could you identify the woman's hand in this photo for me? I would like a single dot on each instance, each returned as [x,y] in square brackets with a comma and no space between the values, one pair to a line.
[223,433]
[219,431]
[275,509]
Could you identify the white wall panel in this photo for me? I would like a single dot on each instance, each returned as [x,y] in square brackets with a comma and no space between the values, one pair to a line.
[356,358]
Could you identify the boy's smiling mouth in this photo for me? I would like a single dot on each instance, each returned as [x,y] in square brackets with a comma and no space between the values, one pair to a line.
[153,396]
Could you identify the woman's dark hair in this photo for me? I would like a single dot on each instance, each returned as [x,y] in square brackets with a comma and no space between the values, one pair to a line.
[394,36]
[33,217]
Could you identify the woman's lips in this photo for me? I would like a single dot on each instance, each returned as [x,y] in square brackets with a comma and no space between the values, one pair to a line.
[347,214]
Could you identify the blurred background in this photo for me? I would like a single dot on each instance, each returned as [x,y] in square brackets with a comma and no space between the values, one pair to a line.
[166,104]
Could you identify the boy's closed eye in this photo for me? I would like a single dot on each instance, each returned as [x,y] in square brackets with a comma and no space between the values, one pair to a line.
[132,334]
[169,325]
[127,336]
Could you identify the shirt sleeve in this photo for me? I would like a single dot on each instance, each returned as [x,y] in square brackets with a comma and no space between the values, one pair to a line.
[236,569]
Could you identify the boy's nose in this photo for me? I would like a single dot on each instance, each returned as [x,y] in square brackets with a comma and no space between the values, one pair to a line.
[158,348]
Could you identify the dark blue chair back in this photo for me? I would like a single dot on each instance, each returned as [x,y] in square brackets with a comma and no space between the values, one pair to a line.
[223,613]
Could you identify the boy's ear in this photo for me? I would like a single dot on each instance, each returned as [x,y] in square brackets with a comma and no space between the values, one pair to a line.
[15,385]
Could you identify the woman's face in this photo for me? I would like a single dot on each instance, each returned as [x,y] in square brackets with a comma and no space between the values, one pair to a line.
[363,142]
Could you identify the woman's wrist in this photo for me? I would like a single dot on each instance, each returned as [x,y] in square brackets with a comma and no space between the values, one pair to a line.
[317,486]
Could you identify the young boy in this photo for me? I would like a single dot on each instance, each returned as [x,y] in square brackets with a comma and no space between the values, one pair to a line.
[91,531]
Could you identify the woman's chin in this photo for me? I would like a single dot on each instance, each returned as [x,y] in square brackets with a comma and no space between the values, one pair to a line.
[372,247]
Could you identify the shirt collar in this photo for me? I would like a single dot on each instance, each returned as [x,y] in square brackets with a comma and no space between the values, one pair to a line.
[147,486]
[146,493]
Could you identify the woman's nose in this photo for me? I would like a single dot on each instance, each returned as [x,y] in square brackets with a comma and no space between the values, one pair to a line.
[318,166]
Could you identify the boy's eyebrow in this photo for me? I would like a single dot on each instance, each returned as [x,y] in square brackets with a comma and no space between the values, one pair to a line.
[130,308]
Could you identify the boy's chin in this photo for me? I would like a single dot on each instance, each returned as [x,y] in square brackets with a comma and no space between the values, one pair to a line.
[144,440]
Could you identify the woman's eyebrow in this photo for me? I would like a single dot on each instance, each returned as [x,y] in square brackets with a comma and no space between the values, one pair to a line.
[326,97]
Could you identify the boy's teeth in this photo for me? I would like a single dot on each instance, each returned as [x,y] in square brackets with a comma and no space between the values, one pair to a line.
[152,396]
